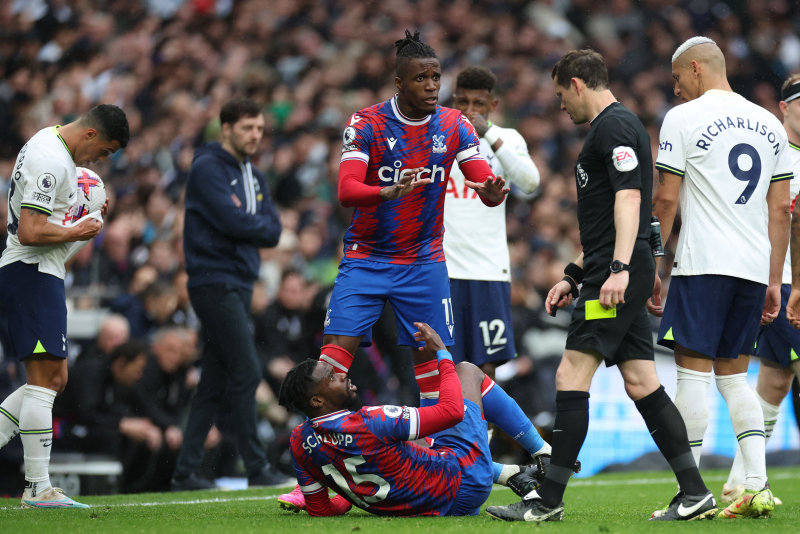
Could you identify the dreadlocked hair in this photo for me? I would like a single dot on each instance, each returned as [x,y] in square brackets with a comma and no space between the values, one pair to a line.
[411,47]
[294,392]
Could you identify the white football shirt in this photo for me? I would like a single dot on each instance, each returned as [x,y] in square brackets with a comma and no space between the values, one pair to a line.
[728,151]
[475,245]
[44,179]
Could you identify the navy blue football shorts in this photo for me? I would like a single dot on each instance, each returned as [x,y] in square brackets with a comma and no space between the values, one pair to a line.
[779,341]
[416,293]
[469,439]
[33,312]
[715,315]
[482,315]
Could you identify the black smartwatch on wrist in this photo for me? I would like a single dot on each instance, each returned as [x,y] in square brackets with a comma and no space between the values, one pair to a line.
[617,267]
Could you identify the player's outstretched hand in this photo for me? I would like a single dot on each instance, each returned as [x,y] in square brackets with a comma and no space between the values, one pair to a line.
[654,303]
[559,296]
[492,189]
[793,308]
[429,336]
[772,304]
[406,184]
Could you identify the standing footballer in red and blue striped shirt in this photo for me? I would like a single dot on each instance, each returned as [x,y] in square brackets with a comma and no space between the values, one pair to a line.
[395,162]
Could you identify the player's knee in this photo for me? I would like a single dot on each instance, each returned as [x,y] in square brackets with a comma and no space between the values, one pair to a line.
[468,371]
[471,378]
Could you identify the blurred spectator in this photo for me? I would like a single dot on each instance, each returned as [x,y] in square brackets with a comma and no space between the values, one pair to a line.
[114,331]
[101,412]
[282,332]
[154,307]
[165,389]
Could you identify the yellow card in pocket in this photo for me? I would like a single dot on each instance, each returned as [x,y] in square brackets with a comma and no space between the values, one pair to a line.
[595,311]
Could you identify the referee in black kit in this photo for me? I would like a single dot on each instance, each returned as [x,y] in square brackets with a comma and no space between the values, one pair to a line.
[614,175]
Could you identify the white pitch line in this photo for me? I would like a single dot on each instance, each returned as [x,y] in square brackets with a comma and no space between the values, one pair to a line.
[575,483]
[163,503]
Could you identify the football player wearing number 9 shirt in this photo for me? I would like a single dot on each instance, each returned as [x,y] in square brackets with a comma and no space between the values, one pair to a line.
[726,160]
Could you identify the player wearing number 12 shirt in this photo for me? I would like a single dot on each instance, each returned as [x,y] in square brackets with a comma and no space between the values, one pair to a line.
[726,161]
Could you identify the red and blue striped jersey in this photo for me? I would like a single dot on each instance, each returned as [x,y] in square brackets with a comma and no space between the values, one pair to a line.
[367,458]
[407,230]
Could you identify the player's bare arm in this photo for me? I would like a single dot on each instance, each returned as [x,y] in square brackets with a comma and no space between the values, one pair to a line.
[627,203]
[793,306]
[405,185]
[794,249]
[779,206]
[665,205]
[35,230]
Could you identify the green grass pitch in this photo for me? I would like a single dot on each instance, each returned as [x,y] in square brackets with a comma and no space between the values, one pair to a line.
[604,503]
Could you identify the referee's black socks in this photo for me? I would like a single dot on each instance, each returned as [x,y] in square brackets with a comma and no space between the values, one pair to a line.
[569,433]
[666,425]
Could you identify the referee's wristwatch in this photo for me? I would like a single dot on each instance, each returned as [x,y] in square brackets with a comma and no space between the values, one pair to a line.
[617,267]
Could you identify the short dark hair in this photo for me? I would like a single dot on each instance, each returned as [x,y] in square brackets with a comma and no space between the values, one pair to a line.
[295,388]
[411,47]
[110,122]
[128,351]
[235,109]
[585,64]
[478,77]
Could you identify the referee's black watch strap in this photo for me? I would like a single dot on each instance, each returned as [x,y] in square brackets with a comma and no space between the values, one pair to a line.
[617,267]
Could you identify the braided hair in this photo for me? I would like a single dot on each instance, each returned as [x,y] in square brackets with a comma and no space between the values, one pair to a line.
[411,47]
[294,392]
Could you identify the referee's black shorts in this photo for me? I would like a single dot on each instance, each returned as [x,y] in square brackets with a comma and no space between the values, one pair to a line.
[628,336]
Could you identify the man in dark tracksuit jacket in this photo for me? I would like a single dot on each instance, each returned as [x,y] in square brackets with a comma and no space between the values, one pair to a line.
[229,216]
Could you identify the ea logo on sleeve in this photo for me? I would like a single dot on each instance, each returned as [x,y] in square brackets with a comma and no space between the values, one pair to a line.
[46,182]
[624,158]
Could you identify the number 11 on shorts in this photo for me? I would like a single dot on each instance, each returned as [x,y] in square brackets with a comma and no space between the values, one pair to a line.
[448,314]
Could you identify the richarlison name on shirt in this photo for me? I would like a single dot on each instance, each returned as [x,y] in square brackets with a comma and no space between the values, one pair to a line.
[337,438]
[721,125]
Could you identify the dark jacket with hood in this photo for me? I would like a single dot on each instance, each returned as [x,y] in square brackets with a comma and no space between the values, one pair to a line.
[229,216]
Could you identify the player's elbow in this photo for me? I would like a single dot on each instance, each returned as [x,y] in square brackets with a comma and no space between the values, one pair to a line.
[663,202]
[26,236]
[529,183]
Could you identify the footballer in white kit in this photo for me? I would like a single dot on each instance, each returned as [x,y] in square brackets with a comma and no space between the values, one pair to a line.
[475,243]
[727,160]
[45,229]
[728,151]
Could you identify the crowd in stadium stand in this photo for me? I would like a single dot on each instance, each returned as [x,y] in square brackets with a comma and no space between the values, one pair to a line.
[171,64]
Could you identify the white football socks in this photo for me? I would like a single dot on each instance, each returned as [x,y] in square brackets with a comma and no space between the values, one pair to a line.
[770,412]
[9,416]
[691,399]
[748,426]
[36,432]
